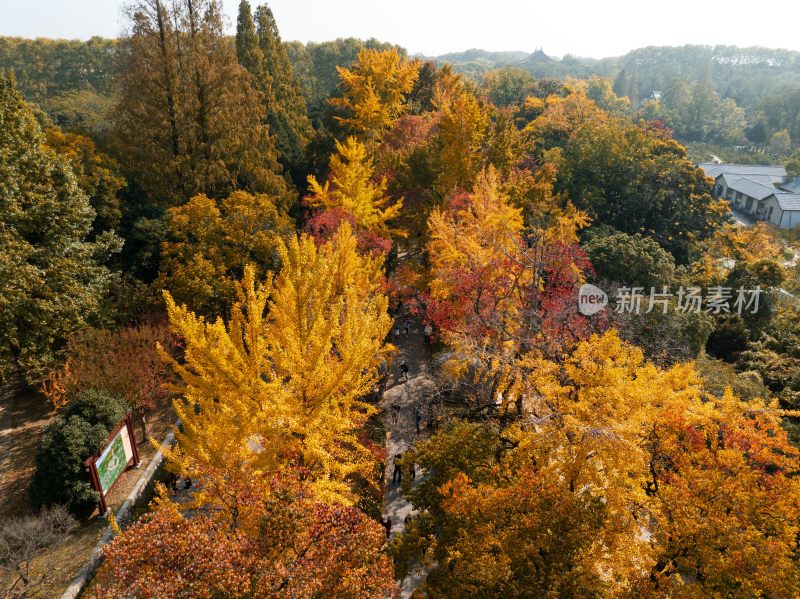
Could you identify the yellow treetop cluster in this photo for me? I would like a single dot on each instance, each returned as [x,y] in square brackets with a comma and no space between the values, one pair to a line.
[459,143]
[375,91]
[281,381]
[210,243]
[352,187]
[734,245]
[643,486]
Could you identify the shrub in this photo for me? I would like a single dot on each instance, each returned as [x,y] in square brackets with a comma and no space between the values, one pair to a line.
[729,338]
[631,259]
[75,434]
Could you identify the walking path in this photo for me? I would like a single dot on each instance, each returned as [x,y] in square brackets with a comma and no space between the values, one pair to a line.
[402,394]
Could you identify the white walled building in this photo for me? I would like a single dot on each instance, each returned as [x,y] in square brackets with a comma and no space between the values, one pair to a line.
[763,192]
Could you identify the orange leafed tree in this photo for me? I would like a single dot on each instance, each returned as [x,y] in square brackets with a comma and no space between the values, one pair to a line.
[477,286]
[375,90]
[284,543]
[644,486]
[496,284]
[124,362]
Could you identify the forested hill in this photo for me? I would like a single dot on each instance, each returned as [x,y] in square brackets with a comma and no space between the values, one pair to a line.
[47,68]
[72,80]
[745,74]
[476,61]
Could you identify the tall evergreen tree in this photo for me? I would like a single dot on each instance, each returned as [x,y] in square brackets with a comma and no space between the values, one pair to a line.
[51,278]
[188,120]
[248,51]
[286,105]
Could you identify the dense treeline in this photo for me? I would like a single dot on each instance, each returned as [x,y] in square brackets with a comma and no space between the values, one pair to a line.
[231,240]
[723,94]
[746,75]
[46,69]
[73,81]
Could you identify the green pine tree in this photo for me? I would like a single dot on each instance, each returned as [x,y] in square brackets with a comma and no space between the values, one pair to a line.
[287,114]
[52,279]
[248,51]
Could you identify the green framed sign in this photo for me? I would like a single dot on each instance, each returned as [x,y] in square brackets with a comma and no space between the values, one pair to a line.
[112,462]
[106,467]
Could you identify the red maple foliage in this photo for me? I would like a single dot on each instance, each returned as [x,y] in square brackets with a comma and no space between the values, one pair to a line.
[282,543]
[323,224]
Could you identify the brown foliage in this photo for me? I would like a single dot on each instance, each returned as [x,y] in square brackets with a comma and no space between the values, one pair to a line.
[124,362]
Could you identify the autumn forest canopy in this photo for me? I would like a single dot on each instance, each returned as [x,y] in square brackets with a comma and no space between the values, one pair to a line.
[330,265]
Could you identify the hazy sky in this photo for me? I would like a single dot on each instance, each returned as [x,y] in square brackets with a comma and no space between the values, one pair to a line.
[583,27]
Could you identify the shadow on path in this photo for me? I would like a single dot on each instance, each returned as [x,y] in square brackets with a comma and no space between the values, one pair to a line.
[22,419]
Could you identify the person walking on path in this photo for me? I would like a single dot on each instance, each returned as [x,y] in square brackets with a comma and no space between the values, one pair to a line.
[398,471]
[428,333]
[382,385]
[406,325]
[387,525]
[403,370]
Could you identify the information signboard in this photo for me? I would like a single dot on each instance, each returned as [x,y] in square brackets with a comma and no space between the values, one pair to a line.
[106,467]
[114,459]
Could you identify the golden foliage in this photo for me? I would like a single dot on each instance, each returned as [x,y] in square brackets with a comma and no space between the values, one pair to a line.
[210,243]
[352,188]
[733,245]
[562,116]
[375,90]
[472,247]
[283,385]
[327,323]
[58,386]
[644,486]
[459,141]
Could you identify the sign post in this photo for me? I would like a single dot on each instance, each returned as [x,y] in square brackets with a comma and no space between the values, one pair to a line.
[119,453]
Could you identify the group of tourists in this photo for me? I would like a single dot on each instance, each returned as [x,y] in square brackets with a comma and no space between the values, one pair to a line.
[395,409]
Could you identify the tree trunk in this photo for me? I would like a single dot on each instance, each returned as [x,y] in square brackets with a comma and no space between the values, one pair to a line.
[169,83]
[143,424]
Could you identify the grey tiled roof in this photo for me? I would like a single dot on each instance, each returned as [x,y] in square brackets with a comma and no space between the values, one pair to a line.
[742,169]
[791,185]
[788,201]
[757,190]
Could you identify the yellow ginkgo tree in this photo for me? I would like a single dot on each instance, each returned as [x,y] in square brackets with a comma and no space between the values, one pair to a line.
[280,384]
[375,91]
[354,189]
[327,323]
